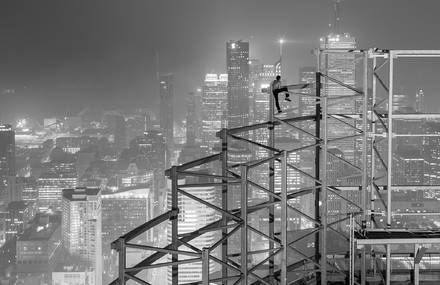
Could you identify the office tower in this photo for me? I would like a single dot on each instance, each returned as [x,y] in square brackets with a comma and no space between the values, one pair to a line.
[193,215]
[340,66]
[213,109]
[420,102]
[166,118]
[117,127]
[7,161]
[81,226]
[237,66]
[38,249]
[56,177]
[124,210]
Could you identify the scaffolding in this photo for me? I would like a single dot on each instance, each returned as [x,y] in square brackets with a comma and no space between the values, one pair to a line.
[311,225]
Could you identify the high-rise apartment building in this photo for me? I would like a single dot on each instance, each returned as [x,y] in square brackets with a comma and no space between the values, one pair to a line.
[81,226]
[213,109]
[237,66]
[166,116]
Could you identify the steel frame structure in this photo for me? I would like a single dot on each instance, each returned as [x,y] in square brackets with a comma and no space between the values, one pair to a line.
[273,260]
[382,118]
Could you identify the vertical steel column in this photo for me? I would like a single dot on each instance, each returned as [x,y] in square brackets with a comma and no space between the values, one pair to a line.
[416,266]
[122,261]
[373,143]
[271,183]
[388,264]
[205,266]
[244,217]
[364,162]
[390,139]
[283,218]
[390,159]
[224,160]
[174,225]
[324,192]
[317,167]
[351,252]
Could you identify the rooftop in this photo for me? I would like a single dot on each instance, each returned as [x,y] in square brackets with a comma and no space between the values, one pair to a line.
[80,193]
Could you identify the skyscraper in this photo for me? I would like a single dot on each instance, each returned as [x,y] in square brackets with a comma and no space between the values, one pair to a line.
[214,109]
[340,66]
[81,226]
[237,65]
[7,161]
[166,117]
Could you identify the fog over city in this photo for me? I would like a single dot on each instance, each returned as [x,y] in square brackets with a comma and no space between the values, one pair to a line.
[219,142]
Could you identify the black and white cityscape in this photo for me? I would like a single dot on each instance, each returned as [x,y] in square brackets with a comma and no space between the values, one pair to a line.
[219,142]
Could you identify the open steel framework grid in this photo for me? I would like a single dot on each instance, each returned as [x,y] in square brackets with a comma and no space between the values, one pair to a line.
[274,264]
[382,183]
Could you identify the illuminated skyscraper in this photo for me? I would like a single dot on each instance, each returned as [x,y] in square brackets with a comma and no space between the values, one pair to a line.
[214,109]
[81,226]
[166,116]
[340,66]
[237,65]
[7,161]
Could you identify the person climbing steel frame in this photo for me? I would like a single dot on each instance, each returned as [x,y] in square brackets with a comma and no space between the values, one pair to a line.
[277,89]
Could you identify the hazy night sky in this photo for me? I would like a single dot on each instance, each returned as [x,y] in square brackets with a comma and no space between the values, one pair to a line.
[61,55]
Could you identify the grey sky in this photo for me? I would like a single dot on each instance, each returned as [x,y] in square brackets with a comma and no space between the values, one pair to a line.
[71,53]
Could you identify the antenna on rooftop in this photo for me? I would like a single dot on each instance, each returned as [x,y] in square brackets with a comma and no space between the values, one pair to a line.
[335,25]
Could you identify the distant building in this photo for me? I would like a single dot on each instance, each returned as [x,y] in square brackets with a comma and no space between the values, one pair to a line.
[420,102]
[122,211]
[166,116]
[152,149]
[73,275]
[39,248]
[116,124]
[214,109]
[7,161]
[81,224]
[50,187]
[237,65]
[29,190]
[19,214]
[431,154]
[192,216]
[342,67]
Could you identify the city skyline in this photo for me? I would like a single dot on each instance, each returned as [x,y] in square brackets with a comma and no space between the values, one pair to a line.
[67,63]
[139,141]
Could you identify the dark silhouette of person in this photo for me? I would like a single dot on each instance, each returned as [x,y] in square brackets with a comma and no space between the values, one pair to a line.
[277,89]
